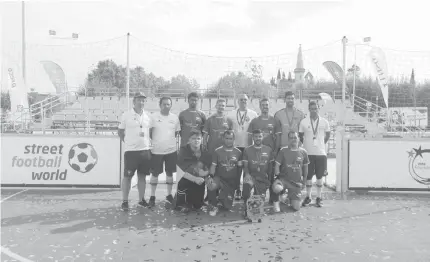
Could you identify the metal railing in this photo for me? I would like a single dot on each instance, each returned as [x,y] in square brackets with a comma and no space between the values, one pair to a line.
[377,114]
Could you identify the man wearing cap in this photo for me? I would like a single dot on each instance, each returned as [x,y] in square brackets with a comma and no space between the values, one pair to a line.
[134,132]
[289,119]
[241,117]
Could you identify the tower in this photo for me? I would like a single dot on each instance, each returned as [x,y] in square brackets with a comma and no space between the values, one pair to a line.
[299,72]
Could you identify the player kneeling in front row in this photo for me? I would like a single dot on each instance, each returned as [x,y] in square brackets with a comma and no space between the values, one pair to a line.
[257,165]
[291,170]
[223,174]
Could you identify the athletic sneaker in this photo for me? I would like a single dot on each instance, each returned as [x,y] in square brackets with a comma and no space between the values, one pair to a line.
[306,201]
[151,201]
[143,203]
[170,199]
[318,202]
[238,195]
[213,211]
[124,205]
[276,207]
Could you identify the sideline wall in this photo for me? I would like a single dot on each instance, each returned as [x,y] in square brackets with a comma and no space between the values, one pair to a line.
[382,164]
[60,161]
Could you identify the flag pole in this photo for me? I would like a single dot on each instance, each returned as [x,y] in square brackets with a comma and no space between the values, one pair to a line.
[344,41]
[23,41]
[128,72]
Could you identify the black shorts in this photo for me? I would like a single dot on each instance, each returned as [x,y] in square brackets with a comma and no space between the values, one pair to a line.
[169,161]
[139,161]
[317,166]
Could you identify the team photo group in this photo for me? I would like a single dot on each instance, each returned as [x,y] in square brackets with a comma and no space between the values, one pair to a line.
[279,153]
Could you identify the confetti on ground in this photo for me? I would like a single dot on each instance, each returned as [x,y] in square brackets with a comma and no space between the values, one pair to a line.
[89,226]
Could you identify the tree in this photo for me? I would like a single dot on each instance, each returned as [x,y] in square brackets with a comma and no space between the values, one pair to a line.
[283,75]
[350,73]
[108,75]
[290,79]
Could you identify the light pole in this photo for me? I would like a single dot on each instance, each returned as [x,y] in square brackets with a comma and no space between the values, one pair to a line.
[365,40]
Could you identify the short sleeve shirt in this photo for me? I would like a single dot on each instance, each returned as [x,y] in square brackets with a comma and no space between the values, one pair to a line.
[133,123]
[164,130]
[267,125]
[226,160]
[190,119]
[215,127]
[241,121]
[258,160]
[287,123]
[292,162]
[188,161]
[317,148]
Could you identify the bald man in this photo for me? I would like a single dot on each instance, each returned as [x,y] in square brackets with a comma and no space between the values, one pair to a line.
[241,117]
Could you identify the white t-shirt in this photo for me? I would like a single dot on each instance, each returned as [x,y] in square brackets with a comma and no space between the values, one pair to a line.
[133,123]
[241,121]
[318,148]
[163,133]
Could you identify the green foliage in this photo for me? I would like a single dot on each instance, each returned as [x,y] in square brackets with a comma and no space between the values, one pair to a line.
[109,75]
[239,83]
[5,100]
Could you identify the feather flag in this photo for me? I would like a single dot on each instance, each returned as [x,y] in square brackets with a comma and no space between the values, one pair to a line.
[379,64]
[56,75]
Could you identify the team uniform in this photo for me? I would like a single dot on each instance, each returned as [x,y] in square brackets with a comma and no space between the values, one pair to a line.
[190,119]
[190,194]
[215,126]
[137,156]
[287,123]
[164,149]
[259,162]
[267,126]
[291,174]
[225,177]
[313,142]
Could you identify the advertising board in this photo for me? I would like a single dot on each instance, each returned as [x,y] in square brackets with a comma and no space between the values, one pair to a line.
[60,161]
[390,164]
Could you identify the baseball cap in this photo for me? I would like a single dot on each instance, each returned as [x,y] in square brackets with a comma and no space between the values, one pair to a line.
[139,94]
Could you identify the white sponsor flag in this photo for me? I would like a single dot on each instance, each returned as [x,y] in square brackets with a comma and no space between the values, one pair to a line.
[379,63]
[16,87]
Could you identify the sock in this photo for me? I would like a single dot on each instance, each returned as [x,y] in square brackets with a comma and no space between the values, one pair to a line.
[308,191]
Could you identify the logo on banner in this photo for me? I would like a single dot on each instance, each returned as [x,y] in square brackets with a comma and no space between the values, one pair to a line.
[82,157]
[45,162]
[419,165]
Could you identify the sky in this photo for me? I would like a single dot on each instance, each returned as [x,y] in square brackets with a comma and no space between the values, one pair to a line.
[215,37]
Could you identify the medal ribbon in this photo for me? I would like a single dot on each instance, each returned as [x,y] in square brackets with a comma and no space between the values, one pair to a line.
[315,130]
[290,122]
[241,119]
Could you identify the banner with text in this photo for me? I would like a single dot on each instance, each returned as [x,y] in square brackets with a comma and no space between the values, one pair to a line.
[60,161]
[393,164]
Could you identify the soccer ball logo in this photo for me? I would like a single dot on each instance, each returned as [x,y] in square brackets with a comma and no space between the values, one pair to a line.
[82,157]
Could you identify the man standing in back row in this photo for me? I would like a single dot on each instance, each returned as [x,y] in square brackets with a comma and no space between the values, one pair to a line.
[241,117]
[215,126]
[314,133]
[191,118]
[289,119]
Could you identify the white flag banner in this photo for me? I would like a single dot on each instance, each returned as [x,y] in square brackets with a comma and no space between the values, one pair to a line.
[16,87]
[379,63]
